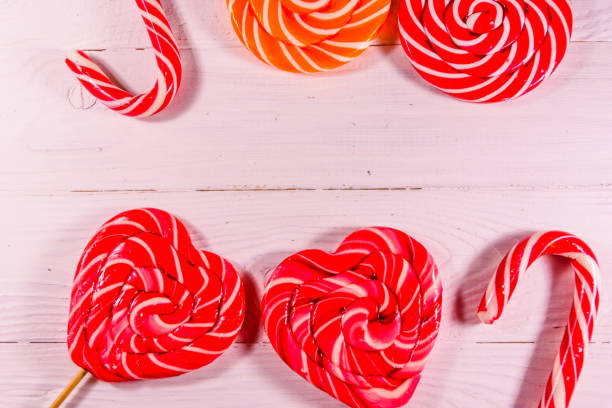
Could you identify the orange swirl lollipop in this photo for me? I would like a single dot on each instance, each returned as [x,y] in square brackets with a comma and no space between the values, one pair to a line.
[307,35]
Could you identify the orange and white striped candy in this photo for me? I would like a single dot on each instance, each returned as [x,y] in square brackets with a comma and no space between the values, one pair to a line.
[307,35]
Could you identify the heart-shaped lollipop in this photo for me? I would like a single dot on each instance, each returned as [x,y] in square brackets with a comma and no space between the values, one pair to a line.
[147,304]
[357,323]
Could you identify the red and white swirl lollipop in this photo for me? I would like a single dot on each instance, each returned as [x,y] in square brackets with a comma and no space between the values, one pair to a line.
[577,337]
[169,71]
[485,50]
[147,304]
[357,323]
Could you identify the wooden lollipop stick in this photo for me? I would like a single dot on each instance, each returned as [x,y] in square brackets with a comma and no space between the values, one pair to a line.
[64,394]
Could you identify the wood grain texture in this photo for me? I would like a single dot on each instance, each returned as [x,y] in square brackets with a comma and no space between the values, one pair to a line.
[466,180]
[457,376]
[468,232]
[237,124]
[111,23]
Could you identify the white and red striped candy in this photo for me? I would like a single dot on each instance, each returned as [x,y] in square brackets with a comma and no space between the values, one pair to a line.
[146,304]
[485,50]
[576,339]
[307,35]
[168,77]
[357,323]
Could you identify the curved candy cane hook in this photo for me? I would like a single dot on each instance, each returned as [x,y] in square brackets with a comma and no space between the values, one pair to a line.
[570,359]
[169,69]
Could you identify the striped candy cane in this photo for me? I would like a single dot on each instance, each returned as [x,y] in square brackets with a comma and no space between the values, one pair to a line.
[307,36]
[169,69]
[575,343]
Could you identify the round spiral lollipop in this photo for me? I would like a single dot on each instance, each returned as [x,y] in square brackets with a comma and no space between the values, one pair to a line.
[485,50]
[146,304]
[307,35]
[360,322]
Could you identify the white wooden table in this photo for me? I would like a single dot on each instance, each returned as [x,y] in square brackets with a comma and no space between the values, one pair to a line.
[260,163]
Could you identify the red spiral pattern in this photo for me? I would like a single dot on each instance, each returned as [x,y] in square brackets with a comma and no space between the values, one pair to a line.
[168,77]
[357,323]
[146,304]
[485,50]
[576,339]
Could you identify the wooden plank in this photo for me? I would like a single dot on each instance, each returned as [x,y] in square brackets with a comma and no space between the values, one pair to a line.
[458,375]
[111,24]
[238,124]
[467,232]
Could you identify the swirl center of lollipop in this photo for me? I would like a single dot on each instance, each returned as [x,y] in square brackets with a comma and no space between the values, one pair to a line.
[361,316]
[158,305]
[484,17]
[368,325]
[154,315]
[478,27]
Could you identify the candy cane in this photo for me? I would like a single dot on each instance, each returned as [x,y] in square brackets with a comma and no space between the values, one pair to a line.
[169,69]
[358,323]
[307,36]
[485,50]
[575,343]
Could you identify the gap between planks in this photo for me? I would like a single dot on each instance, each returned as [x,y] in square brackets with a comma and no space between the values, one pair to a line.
[517,187]
[238,46]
